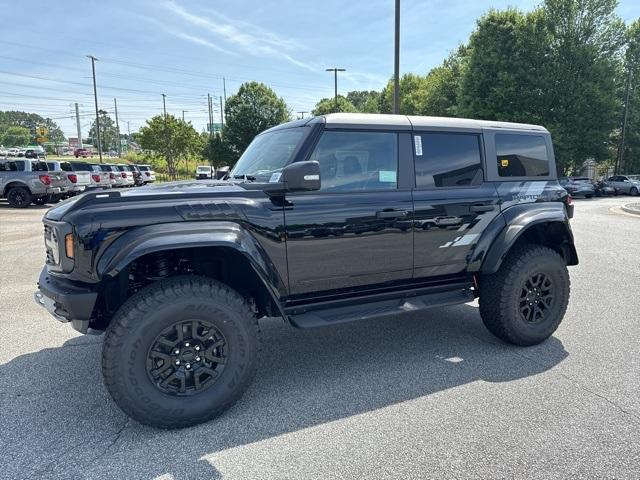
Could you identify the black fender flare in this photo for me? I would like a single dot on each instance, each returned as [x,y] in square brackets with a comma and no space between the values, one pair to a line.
[169,236]
[517,220]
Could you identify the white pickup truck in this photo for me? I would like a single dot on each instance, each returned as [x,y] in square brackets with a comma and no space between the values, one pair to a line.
[25,181]
[76,182]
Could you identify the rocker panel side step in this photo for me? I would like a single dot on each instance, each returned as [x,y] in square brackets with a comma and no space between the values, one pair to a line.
[350,313]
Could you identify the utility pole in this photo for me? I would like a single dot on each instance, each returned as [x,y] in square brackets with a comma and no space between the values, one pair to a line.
[78,127]
[224,92]
[625,116]
[221,115]
[95,99]
[302,114]
[396,63]
[119,145]
[164,107]
[335,83]
[210,116]
[183,114]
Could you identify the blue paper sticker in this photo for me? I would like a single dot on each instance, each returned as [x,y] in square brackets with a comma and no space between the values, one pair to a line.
[275,177]
[387,176]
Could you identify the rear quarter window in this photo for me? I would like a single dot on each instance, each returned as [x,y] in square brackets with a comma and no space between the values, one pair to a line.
[521,155]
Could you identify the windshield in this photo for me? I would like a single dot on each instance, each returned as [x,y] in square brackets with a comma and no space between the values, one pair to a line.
[268,154]
[204,169]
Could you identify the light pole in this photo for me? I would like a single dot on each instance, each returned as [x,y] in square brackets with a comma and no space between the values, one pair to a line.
[95,99]
[396,62]
[183,114]
[335,83]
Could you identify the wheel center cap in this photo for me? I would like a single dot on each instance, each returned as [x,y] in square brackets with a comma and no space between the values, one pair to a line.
[187,355]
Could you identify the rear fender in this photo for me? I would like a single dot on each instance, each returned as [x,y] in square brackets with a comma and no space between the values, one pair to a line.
[550,217]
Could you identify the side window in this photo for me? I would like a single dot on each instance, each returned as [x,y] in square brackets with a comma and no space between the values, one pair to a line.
[447,160]
[19,165]
[521,155]
[357,161]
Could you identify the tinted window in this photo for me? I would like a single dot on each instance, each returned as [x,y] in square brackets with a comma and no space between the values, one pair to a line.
[144,168]
[81,167]
[66,167]
[521,155]
[447,160]
[352,161]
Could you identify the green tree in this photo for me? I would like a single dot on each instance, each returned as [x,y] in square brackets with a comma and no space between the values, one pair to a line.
[631,158]
[365,101]
[442,85]
[218,151]
[108,132]
[31,121]
[252,110]
[174,139]
[412,95]
[15,137]
[328,105]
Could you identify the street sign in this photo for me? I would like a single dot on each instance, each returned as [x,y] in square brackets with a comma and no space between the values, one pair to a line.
[41,132]
[214,127]
[42,139]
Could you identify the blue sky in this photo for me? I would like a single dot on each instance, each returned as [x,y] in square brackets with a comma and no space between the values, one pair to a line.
[184,48]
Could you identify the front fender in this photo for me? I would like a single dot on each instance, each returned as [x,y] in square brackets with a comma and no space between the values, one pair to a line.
[168,236]
[520,218]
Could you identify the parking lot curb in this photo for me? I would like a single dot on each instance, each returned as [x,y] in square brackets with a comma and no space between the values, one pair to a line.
[633,208]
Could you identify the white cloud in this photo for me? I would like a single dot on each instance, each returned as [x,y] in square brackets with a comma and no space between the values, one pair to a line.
[259,42]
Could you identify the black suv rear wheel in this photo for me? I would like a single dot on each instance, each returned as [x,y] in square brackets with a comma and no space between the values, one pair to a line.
[180,352]
[524,302]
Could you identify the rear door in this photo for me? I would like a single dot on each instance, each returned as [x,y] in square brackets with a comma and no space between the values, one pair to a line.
[452,202]
[356,231]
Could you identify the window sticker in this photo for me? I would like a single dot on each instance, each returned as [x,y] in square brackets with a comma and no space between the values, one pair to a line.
[418,142]
[504,162]
[275,177]
[387,176]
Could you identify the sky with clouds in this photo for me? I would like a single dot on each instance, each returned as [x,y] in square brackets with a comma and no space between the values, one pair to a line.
[185,48]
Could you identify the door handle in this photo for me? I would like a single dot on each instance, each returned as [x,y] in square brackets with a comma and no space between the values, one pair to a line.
[481,208]
[392,214]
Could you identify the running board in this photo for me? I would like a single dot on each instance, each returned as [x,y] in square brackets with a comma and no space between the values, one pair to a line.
[350,313]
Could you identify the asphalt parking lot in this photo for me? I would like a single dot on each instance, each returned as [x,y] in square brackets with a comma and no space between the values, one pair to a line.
[429,395]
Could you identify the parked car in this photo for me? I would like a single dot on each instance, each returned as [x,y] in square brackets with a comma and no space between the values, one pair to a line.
[115,179]
[222,172]
[76,182]
[23,182]
[138,181]
[625,184]
[578,186]
[82,152]
[99,178]
[148,175]
[204,172]
[126,174]
[13,152]
[179,277]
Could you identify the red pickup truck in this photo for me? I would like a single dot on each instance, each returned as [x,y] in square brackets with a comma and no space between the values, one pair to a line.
[82,152]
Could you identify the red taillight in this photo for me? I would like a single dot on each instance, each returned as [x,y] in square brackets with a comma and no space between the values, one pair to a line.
[124,174]
[72,177]
[148,174]
[46,179]
[96,178]
[112,176]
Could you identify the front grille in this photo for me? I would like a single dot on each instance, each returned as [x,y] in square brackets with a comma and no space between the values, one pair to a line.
[51,245]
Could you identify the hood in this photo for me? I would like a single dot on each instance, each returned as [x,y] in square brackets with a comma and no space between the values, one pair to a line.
[172,192]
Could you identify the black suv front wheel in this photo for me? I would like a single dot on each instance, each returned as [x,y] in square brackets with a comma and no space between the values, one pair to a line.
[180,352]
[524,302]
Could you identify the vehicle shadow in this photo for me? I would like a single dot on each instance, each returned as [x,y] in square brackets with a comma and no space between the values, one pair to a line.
[4,205]
[62,422]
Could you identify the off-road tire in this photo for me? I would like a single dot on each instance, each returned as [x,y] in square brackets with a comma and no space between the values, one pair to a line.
[135,328]
[633,191]
[19,197]
[500,295]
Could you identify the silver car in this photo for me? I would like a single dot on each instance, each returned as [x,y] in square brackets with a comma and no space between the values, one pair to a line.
[624,184]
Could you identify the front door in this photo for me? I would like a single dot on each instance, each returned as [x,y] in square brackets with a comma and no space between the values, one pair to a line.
[356,231]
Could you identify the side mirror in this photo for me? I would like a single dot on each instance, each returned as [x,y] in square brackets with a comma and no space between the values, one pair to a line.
[301,177]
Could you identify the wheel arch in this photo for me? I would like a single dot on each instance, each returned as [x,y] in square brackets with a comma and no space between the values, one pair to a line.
[543,224]
[14,184]
[221,250]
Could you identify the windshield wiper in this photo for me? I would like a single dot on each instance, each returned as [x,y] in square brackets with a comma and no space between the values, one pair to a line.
[251,178]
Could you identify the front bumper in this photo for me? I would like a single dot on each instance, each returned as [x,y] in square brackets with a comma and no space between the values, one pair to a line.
[66,301]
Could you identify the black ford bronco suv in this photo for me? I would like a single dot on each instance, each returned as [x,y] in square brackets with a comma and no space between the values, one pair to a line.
[325,220]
